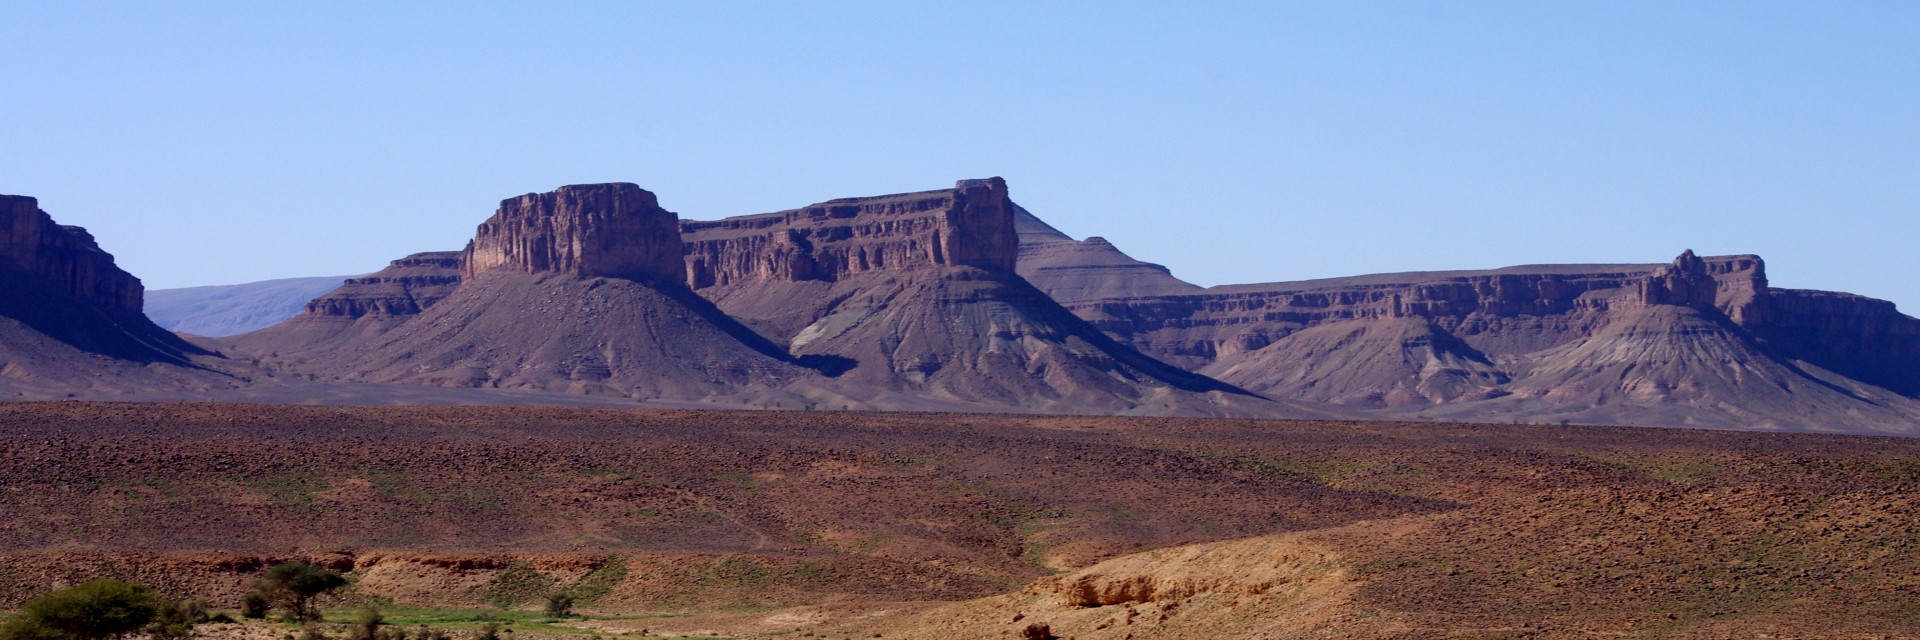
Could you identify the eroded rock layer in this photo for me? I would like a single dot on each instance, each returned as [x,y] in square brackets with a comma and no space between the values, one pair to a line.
[580,290]
[918,293]
[1699,341]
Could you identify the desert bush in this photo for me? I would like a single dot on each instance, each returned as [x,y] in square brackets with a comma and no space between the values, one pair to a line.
[488,631]
[89,611]
[367,625]
[177,617]
[255,605]
[312,632]
[294,585]
[559,604]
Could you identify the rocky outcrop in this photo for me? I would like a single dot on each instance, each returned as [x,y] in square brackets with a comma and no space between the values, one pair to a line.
[970,225]
[406,287]
[919,293]
[613,230]
[580,290]
[1701,340]
[64,255]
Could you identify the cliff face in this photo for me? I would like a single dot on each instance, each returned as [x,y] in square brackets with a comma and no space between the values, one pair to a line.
[67,256]
[613,230]
[970,225]
[406,287]
[918,294]
[70,320]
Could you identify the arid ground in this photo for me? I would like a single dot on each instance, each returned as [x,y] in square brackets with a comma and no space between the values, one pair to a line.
[801,524]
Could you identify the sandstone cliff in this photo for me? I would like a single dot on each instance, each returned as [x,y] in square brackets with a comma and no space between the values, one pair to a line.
[580,290]
[613,230]
[66,256]
[919,292]
[70,319]
[1698,341]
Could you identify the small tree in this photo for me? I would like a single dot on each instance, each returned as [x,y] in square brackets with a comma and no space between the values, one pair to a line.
[559,604]
[93,610]
[294,585]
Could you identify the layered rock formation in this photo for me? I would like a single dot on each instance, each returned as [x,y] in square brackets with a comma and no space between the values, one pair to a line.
[611,230]
[919,290]
[70,319]
[66,256]
[579,290]
[1699,341]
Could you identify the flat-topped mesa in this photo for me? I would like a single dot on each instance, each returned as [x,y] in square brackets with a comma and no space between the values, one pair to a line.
[406,287]
[615,230]
[66,255]
[970,225]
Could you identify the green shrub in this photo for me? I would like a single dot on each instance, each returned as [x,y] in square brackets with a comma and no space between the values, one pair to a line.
[176,618]
[559,604]
[255,606]
[90,611]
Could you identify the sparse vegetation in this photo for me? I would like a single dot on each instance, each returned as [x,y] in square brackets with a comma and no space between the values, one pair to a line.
[559,604]
[294,585]
[92,610]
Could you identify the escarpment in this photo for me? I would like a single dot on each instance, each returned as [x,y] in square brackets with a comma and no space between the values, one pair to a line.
[919,293]
[613,230]
[57,284]
[579,290]
[970,225]
[406,287]
[65,256]
[1698,341]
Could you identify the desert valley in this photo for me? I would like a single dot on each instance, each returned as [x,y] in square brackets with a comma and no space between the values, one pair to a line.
[931,414]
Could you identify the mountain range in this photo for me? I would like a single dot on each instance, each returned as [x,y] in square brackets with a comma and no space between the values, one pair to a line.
[956,299]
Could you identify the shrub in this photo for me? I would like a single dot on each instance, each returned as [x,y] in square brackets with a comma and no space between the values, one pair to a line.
[89,611]
[176,618]
[559,604]
[255,605]
[294,585]
[367,626]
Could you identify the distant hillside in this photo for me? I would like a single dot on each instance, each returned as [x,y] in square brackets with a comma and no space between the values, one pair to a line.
[236,308]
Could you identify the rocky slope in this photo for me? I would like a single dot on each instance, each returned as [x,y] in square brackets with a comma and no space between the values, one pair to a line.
[580,290]
[918,293]
[1699,342]
[70,319]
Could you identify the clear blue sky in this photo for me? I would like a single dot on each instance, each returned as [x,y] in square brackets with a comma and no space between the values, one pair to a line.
[209,143]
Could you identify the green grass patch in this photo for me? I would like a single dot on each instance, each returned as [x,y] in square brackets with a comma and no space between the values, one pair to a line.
[517,584]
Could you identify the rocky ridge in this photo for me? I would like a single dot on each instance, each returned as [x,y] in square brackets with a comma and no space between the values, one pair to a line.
[919,293]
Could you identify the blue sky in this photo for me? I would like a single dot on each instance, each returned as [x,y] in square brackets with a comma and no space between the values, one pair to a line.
[212,143]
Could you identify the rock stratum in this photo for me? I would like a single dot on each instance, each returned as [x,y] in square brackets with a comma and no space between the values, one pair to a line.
[919,294]
[1702,341]
[579,290]
[70,319]
[960,299]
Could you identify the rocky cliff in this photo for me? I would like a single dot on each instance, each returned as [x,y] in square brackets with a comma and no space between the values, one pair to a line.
[406,287]
[918,292]
[70,320]
[612,230]
[970,225]
[579,290]
[1700,340]
[67,256]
